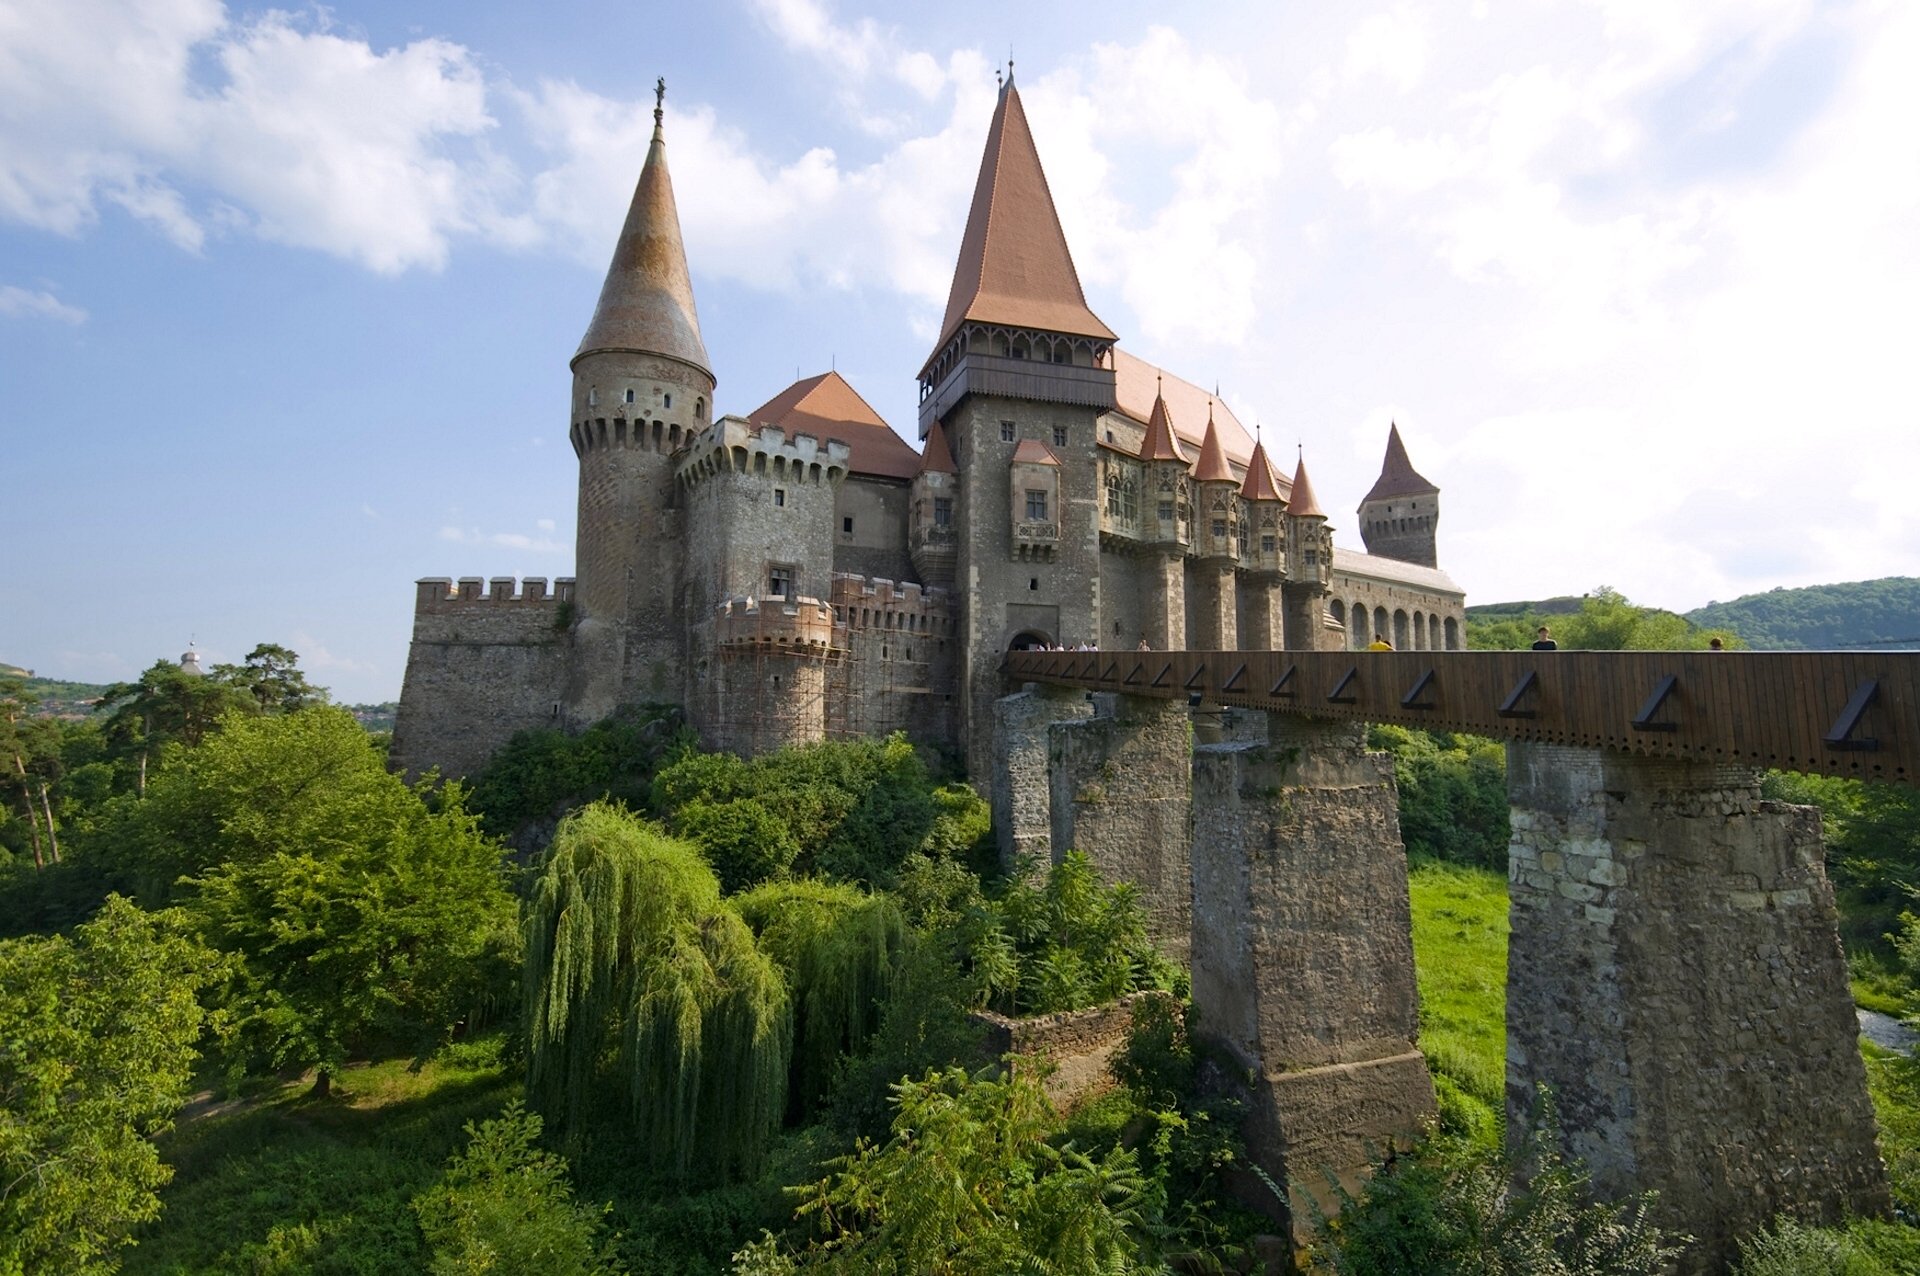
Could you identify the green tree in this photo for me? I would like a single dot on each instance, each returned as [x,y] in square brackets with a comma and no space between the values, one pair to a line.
[1453,794]
[271,677]
[97,1045]
[29,763]
[970,1184]
[166,705]
[506,1206]
[1606,621]
[650,1012]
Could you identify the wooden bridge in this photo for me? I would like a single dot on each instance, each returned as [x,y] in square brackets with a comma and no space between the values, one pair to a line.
[1852,714]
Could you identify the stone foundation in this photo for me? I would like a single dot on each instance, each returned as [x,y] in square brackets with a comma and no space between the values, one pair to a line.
[1080,1044]
[1020,791]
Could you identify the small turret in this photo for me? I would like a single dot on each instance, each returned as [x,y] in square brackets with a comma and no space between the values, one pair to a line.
[1169,495]
[1217,495]
[935,496]
[1265,513]
[1399,515]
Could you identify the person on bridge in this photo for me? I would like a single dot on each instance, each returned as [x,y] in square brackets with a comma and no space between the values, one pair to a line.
[1543,640]
[1379,643]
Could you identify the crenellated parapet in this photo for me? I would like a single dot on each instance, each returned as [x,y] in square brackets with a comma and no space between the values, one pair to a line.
[875,603]
[734,445]
[790,626]
[441,595]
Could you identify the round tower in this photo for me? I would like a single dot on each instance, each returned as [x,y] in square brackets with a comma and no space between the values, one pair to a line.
[1399,515]
[1309,546]
[642,385]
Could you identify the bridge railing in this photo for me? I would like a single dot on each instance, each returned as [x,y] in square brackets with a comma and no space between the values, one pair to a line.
[1844,713]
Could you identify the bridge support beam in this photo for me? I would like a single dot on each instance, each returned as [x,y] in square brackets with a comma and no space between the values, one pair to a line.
[1303,951]
[1020,794]
[1122,793]
[1675,975]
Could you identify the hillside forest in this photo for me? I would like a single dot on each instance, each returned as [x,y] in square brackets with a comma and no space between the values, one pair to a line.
[619,1005]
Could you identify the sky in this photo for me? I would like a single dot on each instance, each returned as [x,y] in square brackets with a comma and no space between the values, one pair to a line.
[287,295]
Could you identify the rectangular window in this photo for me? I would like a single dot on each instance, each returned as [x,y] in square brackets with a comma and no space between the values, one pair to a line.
[629,396]
[1219,529]
[846,525]
[1266,543]
[1006,431]
[1166,511]
[779,496]
[1036,505]
[942,511]
[780,582]
[1059,436]
[1313,559]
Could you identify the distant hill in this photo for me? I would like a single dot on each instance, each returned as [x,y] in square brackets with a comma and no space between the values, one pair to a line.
[1881,614]
[1564,605]
[58,699]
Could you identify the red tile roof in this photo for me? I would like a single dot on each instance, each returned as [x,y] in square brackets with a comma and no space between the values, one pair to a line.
[1137,383]
[1397,475]
[1160,442]
[936,457]
[1302,503]
[1034,452]
[827,407]
[1260,484]
[1014,265]
[1213,466]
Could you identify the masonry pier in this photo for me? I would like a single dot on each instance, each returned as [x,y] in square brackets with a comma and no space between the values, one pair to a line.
[1020,790]
[1675,975]
[1303,951]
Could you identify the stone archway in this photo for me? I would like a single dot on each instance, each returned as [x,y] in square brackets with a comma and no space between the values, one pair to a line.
[1030,640]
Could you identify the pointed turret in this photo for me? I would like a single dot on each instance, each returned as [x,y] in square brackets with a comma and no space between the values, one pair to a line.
[1213,467]
[1014,267]
[1303,503]
[936,457]
[646,304]
[1260,484]
[1161,443]
[1399,516]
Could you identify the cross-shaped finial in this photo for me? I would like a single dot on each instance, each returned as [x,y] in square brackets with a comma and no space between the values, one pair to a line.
[659,98]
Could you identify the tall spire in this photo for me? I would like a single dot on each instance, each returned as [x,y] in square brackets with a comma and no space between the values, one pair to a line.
[1397,475]
[936,457]
[1260,484]
[1014,266]
[1213,466]
[646,303]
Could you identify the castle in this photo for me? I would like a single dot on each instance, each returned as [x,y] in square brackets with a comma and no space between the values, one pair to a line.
[801,572]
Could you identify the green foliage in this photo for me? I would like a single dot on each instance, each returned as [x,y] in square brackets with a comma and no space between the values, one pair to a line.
[838,947]
[1453,794]
[640,986]
[270,676]
[1605,621]
[1858,614]
[1865,1247]
[507,1206]
[851,810]
[1455,1210]
[97,1037]
[536,772]
[1460,961]
[969,1185]
[1873,850]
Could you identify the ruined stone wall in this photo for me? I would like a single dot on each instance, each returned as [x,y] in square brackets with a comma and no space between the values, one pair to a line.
[1303,951]
[1676,976]
[1122,792]
[486,661]
[1079,1044]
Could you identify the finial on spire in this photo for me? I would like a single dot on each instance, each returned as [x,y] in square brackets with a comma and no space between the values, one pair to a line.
[999,78]
[659,100]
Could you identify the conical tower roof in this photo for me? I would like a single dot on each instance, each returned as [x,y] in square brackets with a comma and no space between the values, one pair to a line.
[1397,475]
[1260,484]
[1302,503]
[1014,265]
[1213,467]
[646,303]
[936,457]
[1161,443]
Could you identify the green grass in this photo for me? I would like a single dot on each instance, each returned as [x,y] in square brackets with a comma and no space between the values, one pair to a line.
[287,1184]
[1460,955]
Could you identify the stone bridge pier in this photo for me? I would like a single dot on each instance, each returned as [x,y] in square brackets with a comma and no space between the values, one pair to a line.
[1675,975]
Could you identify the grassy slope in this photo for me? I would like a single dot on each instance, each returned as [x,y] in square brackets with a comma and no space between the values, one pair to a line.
[1460,952]
[285,1184]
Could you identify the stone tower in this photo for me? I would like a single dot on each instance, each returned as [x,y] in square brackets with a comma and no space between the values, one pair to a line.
[641,385]
[1018,380]
[1216,539]
[1169,497]
[1263,563]
[1309,566]
[1398,517]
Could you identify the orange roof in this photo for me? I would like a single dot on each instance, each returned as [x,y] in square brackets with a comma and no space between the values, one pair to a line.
[1213,466]
[1014,265]
[1260,484]
[1302,503]
[936,457]
[1397,475]
[825,406]
[1138,383]
[1160,443]
[1034,452]
[646,303]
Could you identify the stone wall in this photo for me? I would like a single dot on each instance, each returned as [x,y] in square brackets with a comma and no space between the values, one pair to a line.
[1020,789]
[877,544]
[1303,951]
[1079,1044]
[1676,976]
[486,661]
[1121,792]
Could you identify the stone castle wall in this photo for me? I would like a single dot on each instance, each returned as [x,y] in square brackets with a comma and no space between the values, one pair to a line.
[486,661]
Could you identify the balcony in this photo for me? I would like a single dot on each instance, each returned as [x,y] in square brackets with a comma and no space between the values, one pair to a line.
[976,373]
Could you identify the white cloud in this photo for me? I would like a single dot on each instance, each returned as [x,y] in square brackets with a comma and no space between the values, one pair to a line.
[1392,45]
[21,303]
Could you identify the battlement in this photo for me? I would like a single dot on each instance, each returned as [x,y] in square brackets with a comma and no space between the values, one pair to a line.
[805,625]
[864,602]
[439,594]
[734,445]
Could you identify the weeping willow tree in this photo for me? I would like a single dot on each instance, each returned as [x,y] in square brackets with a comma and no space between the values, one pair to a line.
[839,947]
[648,1005]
